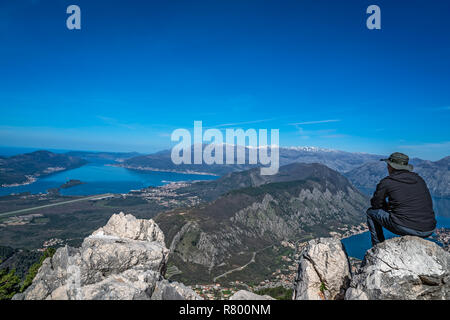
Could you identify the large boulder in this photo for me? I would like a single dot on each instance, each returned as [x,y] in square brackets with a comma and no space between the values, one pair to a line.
[403,268]
[323,272]
[124,260]
[128,227]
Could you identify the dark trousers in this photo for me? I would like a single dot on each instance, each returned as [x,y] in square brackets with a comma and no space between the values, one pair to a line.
[377,219]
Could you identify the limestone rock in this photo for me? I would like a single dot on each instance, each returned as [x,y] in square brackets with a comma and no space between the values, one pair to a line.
[247,295]
[165,290]
[124,260]
[324,271]
[127,226]
[403,268]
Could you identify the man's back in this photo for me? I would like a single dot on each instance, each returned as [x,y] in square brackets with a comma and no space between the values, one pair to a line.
[409,200]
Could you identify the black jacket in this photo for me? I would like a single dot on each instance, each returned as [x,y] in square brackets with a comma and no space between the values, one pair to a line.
[408,200]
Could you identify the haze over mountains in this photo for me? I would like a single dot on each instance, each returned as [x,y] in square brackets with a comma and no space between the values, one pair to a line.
[341,161]
[435,173]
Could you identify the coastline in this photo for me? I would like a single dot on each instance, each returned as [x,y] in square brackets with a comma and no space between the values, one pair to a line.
[30,180]
[163,170]
[355,230]
[33,178]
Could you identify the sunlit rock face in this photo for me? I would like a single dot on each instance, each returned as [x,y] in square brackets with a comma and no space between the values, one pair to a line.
[403,268]
[124,260]
[324,271]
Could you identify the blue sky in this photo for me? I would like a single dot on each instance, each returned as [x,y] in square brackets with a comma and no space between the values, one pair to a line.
[137,70]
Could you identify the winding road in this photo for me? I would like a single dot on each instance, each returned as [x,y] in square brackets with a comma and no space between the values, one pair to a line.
[241,267]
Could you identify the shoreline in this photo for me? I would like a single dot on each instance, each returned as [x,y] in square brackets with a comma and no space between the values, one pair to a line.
[30,180]
[355,233]
[33,178]
[163,170]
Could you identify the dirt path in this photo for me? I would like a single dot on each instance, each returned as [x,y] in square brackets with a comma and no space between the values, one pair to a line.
[241,267]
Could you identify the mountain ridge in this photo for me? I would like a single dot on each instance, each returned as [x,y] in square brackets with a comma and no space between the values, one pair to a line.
[26,168]
[435,173]
[341,161]
[263,214]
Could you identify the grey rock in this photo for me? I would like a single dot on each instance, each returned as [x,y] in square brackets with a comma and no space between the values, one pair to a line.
[128,285]
[247,295]
[402,268]
[18,296]
[127,226]
[324,271]
[124,260]
[165,290]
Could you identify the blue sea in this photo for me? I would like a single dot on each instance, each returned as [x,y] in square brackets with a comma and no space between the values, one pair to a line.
[99,177]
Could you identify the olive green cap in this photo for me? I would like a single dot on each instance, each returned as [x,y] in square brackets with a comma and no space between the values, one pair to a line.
[398,161]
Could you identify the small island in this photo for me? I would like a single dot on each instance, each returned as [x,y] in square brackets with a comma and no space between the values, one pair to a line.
[71,183]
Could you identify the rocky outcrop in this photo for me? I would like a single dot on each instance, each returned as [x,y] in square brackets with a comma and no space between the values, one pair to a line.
[247,295]
[124,260]
[324,271]
[403,268]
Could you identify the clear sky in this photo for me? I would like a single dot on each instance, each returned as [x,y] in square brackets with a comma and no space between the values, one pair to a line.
[137,70]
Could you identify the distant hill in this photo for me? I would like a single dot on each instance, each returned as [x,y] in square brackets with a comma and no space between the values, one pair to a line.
[25,168]
[435,173]
[302,201]
[337,160]
[111,156]
[162,161]
[211,190]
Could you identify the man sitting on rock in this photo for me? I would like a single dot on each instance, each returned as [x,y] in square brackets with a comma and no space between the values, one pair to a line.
[401,203]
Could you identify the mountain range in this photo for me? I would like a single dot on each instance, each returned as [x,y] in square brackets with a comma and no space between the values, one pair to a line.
[341,161]
[362,169]
[435,173]
[301,202]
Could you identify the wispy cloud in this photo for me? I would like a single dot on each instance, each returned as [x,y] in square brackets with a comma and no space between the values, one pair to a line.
[116,123]
[313,122]
[434,145]
[323,133]
[441,108]
[335,136]
[233,124]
